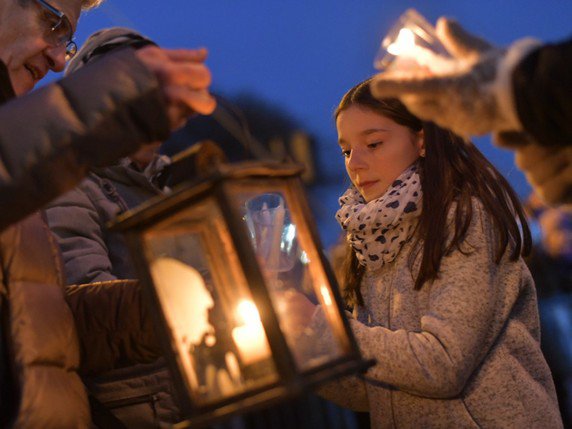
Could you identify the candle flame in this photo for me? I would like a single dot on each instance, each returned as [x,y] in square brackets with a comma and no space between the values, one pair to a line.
[326,295]
[248,313]
[404,43]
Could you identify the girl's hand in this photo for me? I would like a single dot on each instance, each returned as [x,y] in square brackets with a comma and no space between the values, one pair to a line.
[295,311]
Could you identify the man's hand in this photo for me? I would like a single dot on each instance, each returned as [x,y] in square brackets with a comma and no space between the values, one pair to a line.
[473,100]
[184,80]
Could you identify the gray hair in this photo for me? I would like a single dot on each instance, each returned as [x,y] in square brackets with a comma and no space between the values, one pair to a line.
[85,4]
[90,4]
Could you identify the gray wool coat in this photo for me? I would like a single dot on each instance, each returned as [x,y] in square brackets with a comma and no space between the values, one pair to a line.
[462,352]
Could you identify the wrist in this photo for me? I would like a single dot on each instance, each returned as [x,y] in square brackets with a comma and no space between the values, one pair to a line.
[503,88]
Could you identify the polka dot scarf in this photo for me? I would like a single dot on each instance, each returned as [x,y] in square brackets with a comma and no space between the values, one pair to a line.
[378,230]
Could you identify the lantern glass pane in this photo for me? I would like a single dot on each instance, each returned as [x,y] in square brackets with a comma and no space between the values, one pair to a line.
[220,343]
[298,286]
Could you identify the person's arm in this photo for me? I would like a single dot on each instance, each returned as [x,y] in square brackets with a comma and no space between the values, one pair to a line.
[80,232]
[463,320]
[472,98]
[548,170]
[49,137]
[542,87]
[112,339]
[307,327]
[348,392]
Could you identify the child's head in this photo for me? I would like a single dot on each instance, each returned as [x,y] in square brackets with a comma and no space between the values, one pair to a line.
[386,139]
[378,138]
[381,138]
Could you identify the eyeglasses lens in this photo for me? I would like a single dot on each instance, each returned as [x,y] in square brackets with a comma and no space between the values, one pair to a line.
[60,30]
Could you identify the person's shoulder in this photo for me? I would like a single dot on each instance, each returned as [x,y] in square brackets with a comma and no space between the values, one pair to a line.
[479,223]
[91,189]
[480,213]
[476,210]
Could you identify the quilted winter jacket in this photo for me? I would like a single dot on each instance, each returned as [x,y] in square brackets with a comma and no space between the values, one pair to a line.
[141,396]
[78,218]
[48,141]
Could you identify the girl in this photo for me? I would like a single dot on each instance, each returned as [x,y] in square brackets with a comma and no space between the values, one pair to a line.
[441,297]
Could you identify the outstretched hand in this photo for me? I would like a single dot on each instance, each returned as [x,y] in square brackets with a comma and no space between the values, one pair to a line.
[184,80]
[474,99]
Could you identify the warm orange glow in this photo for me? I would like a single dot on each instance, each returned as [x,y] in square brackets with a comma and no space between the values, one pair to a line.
[250,338]
[404,43]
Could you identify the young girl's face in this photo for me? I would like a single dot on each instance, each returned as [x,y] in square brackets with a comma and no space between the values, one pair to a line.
[377,149]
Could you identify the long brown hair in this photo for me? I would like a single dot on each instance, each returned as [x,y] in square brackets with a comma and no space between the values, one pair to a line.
[452,171]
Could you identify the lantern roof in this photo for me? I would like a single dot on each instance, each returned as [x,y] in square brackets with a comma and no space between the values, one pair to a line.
[159,206]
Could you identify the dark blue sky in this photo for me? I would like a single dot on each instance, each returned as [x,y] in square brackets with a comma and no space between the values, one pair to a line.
[303,55]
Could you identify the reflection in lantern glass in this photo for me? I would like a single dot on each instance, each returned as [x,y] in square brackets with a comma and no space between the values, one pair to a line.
[272,232]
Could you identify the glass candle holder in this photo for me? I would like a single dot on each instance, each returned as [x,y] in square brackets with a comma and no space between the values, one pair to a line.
[412,45]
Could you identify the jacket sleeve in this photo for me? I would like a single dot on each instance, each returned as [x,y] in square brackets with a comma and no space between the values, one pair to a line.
[79,231]
[50,137]
[112,339]
[348,392]
[542,84]
[466,314]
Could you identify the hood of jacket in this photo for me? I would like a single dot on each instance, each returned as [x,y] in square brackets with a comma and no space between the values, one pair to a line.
[126,173]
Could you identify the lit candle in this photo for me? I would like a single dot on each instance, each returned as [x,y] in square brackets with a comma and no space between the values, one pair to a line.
[250,338]
[404,43]
[404,47]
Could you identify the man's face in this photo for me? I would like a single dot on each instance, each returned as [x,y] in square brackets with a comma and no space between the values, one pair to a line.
[25,46]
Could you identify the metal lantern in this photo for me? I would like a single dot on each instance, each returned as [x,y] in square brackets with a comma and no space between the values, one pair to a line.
[225,263]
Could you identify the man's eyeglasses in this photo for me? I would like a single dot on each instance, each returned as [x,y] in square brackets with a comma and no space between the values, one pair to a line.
[61,30]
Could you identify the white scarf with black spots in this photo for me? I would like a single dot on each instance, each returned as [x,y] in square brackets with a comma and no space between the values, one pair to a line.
[378,230]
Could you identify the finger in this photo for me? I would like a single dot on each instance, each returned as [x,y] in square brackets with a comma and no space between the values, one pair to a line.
[191,75]
[187,55]
[459,42]
[426,108]
[511,139]
[178,116]
[384,85]
[558,189]
[542,162]
[199,101]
